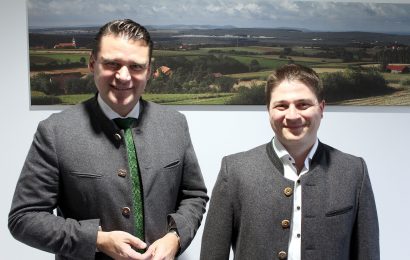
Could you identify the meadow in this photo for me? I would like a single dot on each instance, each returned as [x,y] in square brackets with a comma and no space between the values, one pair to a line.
[269,58]
[165,99]
[43,57]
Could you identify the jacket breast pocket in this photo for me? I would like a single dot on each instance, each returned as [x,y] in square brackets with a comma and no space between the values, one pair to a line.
[340,211]
[172,164]
[84,182]
[338,222]
[82,192]
[85,175]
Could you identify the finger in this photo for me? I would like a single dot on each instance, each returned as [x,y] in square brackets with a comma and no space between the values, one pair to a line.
[134,255]
[158,254]
[149,253]
[137,243]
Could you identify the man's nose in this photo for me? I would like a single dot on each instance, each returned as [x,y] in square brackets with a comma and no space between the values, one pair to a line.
[292,112]
[123,74]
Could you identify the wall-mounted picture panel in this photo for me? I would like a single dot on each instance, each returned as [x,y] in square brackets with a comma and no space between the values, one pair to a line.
[220,52]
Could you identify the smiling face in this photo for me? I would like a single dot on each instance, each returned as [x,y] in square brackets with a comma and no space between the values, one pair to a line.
[121,70]
[295,114]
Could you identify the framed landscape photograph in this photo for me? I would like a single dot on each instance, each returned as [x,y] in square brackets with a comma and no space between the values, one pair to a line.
[220,52]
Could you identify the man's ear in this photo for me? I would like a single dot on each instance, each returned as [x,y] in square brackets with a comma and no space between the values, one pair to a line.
[322,107]
[149,70]
[91,63]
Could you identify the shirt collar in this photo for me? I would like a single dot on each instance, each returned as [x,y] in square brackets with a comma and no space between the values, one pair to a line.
[285,157]
[111,114]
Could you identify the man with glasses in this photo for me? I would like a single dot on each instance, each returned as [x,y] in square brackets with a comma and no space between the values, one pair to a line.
[121,172]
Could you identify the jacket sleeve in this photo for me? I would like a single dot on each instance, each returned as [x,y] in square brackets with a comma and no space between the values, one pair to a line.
[192,196]
[365,240]
[218,230]
[31,219]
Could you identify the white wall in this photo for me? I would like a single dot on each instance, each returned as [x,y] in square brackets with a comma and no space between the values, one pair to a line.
[379,134]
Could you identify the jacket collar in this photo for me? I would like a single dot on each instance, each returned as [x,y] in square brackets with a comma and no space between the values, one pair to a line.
[276,161]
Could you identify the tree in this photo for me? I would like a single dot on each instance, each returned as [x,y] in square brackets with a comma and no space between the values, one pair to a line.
[354,83]
[254,66]
[40,82]
[255,95]
[83,60]
[225,84]
[287,51]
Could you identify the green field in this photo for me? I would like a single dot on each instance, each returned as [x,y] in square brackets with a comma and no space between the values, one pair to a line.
[168,99]
[399,98]
[253,49]
[169,53]
[395,77]
[74,99]
[251,75]
[44,58]
[267,57]
[264,62]
[189,99]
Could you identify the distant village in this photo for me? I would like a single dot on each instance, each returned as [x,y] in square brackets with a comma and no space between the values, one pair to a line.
[66,45]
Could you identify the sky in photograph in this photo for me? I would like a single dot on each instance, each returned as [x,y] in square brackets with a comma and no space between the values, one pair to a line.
[319,15]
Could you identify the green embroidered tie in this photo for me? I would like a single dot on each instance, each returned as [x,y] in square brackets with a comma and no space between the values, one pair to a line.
[126,123]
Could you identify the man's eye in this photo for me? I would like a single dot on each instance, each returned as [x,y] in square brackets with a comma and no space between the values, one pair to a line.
[136,67]
[281,107]
[112,65]
[303,106]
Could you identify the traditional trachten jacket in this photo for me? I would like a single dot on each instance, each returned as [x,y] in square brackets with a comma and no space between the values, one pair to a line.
[252,198]
[78,165]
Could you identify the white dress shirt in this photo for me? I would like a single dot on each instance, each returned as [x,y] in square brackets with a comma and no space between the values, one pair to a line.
[111,114]
[290,172]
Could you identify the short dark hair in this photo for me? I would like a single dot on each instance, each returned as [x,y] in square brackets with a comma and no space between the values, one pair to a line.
[294,72]
[124,28]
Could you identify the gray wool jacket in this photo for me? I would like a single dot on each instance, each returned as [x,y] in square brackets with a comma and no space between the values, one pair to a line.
[78,165]
[250,200]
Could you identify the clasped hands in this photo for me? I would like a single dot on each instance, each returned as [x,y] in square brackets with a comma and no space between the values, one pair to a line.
[120,246]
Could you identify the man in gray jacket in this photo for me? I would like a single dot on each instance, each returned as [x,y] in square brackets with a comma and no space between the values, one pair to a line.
[132,193]
[294,197]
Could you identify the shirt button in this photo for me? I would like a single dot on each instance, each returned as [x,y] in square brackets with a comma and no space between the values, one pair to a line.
[288,191]
[122,172]
[117,137]
[298,207]
[282,255]
[285,223]
[298,235]
[126,211]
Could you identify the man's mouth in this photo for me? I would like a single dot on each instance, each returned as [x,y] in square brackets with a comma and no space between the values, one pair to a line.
[119,88]
[295,126]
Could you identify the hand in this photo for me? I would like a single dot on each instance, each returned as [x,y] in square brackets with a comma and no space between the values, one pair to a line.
[119,245]
[164,248]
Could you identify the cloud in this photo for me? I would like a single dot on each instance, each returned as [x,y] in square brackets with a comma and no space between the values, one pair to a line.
[231,6]
[289,6]
[315,15]
[213,8]
[159,9]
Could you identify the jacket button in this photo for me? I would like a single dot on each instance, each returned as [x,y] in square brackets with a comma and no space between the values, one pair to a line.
[117,137]
[122,172]
[126,211]
[285,223]
[288,191]
[282,255]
